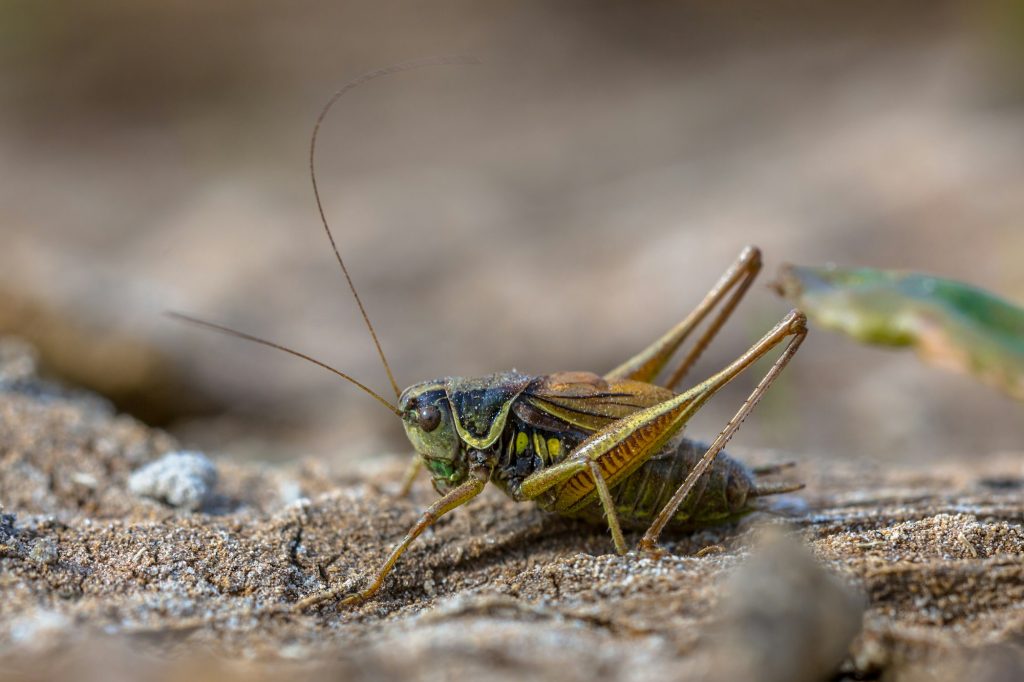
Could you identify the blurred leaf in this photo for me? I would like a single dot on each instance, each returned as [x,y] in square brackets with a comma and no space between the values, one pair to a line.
[948,323]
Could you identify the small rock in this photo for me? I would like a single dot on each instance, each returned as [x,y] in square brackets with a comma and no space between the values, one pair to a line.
[7,530]
[44,551]
[18,361]
[85,480]
[184,480]
[786,618]
[992,663]
[39,630]
[289,491]
[9,543]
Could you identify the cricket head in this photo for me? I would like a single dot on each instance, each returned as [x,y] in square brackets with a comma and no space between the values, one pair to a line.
[430,427]
[455,424]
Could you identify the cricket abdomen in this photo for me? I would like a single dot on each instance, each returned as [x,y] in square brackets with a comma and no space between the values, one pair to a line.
[721,494]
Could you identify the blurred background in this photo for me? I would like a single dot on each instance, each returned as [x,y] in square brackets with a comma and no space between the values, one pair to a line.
[555,208]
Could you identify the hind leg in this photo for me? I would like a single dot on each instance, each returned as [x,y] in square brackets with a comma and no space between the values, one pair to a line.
[729,290]
[798,331]
[611,453]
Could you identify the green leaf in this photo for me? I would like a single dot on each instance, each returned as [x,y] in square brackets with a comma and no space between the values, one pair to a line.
[948,323]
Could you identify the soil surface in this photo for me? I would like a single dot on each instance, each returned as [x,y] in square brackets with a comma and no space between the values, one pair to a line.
[916,574]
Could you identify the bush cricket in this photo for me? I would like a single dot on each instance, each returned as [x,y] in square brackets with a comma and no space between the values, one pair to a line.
[604,448]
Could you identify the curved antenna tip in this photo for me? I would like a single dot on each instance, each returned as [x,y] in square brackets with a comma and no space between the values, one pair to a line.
[444,60]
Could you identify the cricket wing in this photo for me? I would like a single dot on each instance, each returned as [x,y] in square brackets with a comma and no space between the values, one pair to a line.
[589,402]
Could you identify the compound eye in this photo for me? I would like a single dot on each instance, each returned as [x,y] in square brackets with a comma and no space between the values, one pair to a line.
[428,417]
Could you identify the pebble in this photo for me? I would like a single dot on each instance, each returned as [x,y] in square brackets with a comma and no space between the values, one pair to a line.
[785,617]
[44,551]
[184,480]
[18,361]
[38,630]
[7,530]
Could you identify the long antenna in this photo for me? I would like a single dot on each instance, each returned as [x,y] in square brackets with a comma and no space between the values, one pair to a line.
[369,76]
[271,344]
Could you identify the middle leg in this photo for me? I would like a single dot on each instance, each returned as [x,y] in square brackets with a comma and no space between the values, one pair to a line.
[610,515]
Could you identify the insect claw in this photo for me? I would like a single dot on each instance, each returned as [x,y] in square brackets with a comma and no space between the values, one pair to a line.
[797,322]
[330,594]
[649,549]
[353,599]
[312,600]
[709,550]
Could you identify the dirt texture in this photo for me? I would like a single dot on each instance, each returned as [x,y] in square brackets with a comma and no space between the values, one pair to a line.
[901,574]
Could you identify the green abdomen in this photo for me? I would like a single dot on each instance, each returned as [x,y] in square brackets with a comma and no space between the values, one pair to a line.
[720,495]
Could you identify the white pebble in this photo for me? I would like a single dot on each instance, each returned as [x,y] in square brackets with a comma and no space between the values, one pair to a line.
[181,479]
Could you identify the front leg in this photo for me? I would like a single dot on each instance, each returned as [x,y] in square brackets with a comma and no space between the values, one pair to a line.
[455,498]
[409,477]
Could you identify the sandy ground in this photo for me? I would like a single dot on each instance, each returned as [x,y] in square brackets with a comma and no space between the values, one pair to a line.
[554,209]
[917,574]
